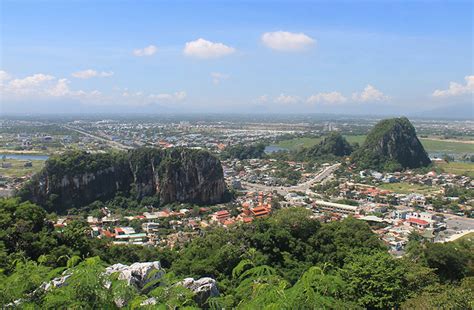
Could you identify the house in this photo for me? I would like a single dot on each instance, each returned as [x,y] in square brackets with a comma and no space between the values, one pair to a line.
[418,223]
[150,227]
[426,216]
[124,231]
[221,216]
[260,211]
[335,207]
[400,213]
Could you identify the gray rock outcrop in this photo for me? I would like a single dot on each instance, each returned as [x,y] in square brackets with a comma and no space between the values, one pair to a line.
[203,288]
[137,274]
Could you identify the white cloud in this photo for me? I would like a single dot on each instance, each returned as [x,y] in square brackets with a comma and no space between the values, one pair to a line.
[206,49]
[61,88]
[218,77]
[40,86]
[456,89]
[4,76]
[30,82]
[287,41]
[89,73]
[177,96]
[327,98]
[146,51]
[46,87]
[369,94]
[286,99]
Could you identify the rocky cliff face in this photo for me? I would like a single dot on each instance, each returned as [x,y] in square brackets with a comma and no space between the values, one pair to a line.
[177,175]
[392,145]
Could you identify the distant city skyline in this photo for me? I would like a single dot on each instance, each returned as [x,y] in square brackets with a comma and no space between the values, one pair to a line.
[355,57]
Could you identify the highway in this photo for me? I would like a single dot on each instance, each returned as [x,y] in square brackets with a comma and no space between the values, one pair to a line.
[113,144]
[302,187]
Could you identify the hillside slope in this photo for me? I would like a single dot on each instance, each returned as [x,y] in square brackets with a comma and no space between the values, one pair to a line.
[391,145]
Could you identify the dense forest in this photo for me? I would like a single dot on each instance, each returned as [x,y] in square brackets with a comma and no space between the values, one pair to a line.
[275,263]
[332,146]
[241,151]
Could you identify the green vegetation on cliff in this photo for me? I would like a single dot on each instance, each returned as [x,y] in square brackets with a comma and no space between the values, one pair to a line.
[391,145]
[241,151]
[76,179]
[332,145]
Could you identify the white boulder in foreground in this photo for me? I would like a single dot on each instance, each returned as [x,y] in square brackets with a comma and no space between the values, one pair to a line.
[137,274]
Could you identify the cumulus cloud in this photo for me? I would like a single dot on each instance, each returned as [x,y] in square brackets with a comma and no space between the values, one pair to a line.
[146,51]
[327,98]
[369,94]
[287,41]
[286,99]
[29,82]
[90,73]
[456,89]
[217,77]
[47,87]
[204,49]
[4,76]
[40,86]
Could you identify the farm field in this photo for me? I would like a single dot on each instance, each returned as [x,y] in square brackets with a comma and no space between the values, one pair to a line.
[298,143]
[431,145]
[450,147]
[18,168]
[460,168]
[407,188]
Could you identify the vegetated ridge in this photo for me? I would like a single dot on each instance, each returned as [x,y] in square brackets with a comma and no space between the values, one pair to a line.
[75,179]
[390,146]
[332,145]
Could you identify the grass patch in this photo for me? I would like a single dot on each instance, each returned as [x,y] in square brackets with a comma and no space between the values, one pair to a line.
[407,188]
[469,238]
[449,147]
[356,139]
[18,168]
[459,168]
[298,143]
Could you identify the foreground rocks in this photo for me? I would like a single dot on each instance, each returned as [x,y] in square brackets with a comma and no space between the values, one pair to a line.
[203,288]
[137,274]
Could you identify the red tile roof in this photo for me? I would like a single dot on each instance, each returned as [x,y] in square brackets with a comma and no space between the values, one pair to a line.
[418,221]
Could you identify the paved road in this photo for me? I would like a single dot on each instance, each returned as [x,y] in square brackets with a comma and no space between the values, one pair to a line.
[302,187]
[112,143]
[455,225]
[459,222]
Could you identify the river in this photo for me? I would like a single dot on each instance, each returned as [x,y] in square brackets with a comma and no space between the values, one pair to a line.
[24,156]
[274,148]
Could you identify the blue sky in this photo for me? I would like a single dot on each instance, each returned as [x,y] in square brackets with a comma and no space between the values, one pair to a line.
[370,57]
